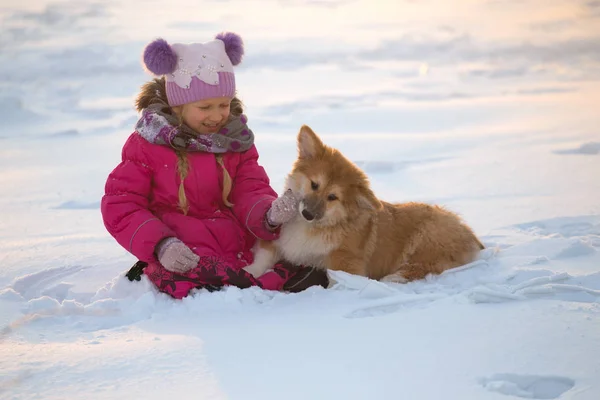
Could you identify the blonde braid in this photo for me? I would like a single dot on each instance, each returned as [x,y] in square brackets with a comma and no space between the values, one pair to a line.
[226,180]
[182,168]
[237,109]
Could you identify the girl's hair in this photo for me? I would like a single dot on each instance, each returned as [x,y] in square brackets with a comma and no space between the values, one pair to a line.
[154,92]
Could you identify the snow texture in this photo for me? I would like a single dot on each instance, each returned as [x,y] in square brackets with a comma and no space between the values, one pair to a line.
[500,126]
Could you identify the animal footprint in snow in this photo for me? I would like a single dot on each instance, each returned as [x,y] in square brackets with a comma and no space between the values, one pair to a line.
[528,386]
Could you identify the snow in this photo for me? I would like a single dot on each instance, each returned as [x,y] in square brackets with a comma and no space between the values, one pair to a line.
[499,125]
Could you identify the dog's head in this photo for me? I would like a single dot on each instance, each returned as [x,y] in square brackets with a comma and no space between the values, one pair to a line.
[332,190]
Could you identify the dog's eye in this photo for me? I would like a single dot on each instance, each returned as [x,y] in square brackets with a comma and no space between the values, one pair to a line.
[314,185]
[332,197]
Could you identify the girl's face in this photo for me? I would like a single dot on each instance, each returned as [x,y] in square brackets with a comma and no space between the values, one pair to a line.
[206,116]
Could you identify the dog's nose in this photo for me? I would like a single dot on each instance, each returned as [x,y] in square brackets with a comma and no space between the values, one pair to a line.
[307,215]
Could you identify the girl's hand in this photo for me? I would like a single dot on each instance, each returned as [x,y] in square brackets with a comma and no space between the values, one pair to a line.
[283,209]
[175,256]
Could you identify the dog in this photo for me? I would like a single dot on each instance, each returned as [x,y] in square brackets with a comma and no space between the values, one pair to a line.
[341,225]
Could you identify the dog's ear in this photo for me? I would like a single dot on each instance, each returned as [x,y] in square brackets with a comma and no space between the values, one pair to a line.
[367,200]
[309,144]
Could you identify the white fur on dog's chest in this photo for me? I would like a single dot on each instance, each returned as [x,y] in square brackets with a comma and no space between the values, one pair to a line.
[297,245]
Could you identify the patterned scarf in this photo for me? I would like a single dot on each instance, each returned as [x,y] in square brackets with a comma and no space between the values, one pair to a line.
[158,126]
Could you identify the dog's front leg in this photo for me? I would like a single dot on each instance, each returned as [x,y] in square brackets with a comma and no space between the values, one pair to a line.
[265,257]
[347,261]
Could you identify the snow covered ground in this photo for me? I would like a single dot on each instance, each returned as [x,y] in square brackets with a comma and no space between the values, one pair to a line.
[487,107]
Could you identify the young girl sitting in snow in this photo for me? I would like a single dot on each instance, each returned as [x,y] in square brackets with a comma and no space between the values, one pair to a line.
[189,198]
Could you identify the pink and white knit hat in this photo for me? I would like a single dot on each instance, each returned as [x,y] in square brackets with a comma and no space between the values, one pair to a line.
[196,71]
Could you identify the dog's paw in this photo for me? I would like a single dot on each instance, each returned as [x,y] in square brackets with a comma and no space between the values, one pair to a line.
[255,269]
[394,278]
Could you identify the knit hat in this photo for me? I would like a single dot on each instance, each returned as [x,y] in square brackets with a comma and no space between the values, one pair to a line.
[196,71]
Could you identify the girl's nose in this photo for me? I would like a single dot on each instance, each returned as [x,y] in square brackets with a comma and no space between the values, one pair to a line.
[215,117]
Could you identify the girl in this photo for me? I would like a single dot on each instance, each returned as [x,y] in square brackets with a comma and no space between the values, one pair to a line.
[189,198]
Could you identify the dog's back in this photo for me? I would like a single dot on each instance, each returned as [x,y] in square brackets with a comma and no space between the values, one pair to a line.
[415,239]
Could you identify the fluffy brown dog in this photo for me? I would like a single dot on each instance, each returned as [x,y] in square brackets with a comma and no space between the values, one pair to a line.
[343,226]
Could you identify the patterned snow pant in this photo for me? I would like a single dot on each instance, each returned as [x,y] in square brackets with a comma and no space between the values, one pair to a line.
[212,274]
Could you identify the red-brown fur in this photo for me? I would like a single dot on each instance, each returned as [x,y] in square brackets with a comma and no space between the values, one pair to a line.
[352,230]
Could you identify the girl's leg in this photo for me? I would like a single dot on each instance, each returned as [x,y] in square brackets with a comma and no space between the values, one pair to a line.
[213,275]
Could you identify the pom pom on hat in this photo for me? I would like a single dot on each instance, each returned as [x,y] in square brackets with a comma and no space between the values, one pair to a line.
[234,46]
[159,57]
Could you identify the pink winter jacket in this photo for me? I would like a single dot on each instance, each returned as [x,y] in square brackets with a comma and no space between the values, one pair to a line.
[140,205]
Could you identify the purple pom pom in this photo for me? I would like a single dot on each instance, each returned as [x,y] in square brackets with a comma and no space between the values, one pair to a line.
[160,58]
[234,47]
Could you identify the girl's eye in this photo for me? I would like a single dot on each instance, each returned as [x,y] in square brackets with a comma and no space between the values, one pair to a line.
[314,185]
[224,105]
[332,197]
